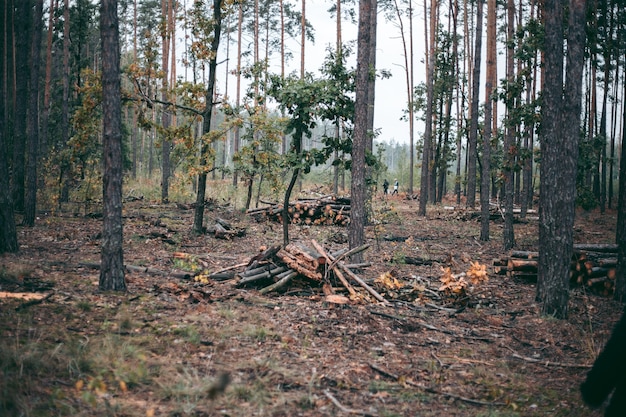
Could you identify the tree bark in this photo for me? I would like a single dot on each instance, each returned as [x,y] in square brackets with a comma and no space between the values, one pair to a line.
[473,130]
[559,150]
[112,257]
[510,148]
[356,235]
[428,131]
[22,33]
[620,279]
[490,80]
[8,232]
[30,201]
[208,111]
[166,116]
[47,83]
[65,104]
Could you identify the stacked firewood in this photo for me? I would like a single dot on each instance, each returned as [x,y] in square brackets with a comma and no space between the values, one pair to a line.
[275,267]
[328,210]
[592,265]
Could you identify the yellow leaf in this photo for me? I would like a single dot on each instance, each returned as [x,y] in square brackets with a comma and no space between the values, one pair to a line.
[388,280]
[123,386]
[150,412]
[79,384]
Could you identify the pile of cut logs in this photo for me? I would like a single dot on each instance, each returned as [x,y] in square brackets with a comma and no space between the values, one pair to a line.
[593,265]
[275,267]
[327,210]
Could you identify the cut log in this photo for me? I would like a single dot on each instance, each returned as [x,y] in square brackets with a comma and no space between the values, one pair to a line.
[243,280]
[596,247]
[283,279]
[524,254]
[522,265]
[297,265]
[336,270]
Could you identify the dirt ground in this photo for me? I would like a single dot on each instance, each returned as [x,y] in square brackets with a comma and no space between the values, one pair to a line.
[176,346]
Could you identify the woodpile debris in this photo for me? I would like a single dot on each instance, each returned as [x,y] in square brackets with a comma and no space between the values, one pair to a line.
[592,265]
[326,210]
[276,266]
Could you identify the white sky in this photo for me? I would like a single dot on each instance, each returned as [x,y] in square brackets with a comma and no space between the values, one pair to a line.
[391,95]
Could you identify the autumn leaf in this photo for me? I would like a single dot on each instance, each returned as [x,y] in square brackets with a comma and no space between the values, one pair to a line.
[389,281]
[477,273]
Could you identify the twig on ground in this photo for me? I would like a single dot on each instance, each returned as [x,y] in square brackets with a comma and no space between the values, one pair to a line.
[33,302]
[344,408]
[434,391]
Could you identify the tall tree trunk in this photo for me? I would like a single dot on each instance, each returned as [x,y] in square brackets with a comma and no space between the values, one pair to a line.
[490,81]
[22,31]
[302,38]
[339,61]
[208,111]
[410,80]
[356,234]
[428,131]
[371,97]
[45,113]
[559,151]
[8,232]
[166,117]
[65,105]
[30,201]
[620,233]
[237,133]
[135,128]
[112,256]
[473,131]
[408,73]
[510,148]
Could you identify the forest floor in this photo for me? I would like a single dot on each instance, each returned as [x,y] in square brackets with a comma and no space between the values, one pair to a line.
[172,346]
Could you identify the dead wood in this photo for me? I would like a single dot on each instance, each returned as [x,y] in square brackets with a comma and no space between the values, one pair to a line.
[434,391]
[302,268]
[336,270]
[283,279]
[243,280]
[33,302]
[596,247]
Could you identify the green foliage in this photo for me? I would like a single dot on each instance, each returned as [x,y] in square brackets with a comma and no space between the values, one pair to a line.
[585,198]
[262,135]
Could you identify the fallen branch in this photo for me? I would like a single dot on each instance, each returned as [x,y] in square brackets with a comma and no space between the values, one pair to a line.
[336,270]
[548,363]
[33,302]
[343,408]
[284,278]
[434,391]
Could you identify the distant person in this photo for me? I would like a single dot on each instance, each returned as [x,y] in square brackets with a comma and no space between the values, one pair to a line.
[385,187]
[395,186]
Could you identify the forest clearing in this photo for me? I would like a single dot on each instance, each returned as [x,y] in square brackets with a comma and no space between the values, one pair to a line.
[181,344]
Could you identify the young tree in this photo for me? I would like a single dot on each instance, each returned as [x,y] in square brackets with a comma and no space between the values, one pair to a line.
[560,135]
[208,111]
[167,22]
[112,257]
